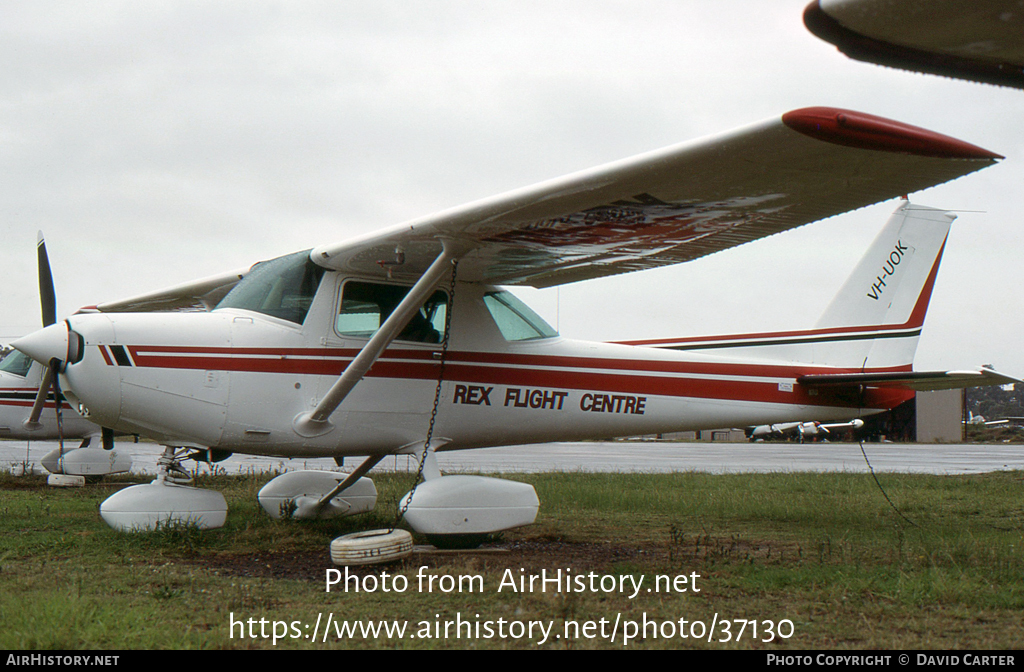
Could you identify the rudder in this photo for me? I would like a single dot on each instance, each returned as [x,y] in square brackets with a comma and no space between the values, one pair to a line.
[884,300]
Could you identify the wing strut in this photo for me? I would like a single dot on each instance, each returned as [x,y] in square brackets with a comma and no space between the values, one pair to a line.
[317,422]
[369,463]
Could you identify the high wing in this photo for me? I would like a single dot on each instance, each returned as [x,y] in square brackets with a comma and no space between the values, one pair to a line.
[979,40]
[197,295]
[919,381]
[671,205]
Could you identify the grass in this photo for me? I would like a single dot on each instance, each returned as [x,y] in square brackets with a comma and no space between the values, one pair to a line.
[824,551]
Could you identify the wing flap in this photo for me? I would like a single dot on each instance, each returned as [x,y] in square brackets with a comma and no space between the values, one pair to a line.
[672,205]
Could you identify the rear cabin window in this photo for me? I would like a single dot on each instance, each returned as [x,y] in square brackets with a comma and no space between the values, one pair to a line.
[366,305]
[516,320]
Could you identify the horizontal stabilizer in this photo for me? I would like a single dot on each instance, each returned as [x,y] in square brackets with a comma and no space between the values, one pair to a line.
[919,381]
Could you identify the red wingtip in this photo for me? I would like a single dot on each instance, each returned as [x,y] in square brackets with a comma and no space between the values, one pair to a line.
[866,131]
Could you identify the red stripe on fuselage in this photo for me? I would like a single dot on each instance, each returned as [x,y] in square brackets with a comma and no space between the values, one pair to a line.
[676,379]
[332,361]
[27,403]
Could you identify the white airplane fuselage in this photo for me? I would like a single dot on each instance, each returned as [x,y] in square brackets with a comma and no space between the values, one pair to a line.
[237,380]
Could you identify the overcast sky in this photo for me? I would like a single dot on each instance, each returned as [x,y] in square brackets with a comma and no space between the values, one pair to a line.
[158,142]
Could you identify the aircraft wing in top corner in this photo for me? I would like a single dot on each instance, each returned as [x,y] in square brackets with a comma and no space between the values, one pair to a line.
[977,40]
[671,205]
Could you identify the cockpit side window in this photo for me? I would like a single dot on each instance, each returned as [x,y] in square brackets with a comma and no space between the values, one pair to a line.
[17,363]
[516,320]
[282,287]
[366,305]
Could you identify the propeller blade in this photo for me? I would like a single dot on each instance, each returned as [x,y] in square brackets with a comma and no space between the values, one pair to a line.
[47,295]
[37,406]
[57,399]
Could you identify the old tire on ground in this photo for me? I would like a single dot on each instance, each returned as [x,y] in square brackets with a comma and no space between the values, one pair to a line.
[371,547]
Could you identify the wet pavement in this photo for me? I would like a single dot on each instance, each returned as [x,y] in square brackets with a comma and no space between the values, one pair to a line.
[622,457]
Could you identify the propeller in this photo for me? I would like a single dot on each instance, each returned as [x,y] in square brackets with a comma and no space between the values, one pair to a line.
[54,346]
[48,306]
[32,423]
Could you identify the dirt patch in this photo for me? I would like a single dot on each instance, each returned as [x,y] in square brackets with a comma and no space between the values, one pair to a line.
[527,554]
[24,483]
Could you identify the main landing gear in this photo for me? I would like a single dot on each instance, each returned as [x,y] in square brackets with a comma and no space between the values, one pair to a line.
[462,511]
[449,510]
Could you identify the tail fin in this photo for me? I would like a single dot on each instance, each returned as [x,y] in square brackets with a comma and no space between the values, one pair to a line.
[875,320]
[881,307]
[906,252]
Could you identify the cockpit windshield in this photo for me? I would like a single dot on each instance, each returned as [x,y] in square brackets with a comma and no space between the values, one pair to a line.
[282,287]
[16,362]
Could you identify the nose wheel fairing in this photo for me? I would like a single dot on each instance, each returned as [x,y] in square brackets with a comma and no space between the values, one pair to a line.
[166,502]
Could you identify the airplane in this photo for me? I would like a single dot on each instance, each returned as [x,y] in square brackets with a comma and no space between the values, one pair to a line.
[975,40]
[26,415]
[977,420]
[801,430]
[404,342]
